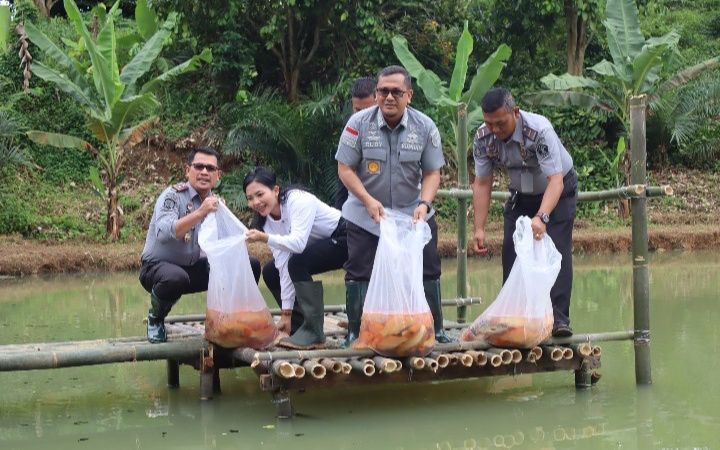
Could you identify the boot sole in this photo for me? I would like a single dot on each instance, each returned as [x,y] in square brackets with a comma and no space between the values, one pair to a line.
[286,343]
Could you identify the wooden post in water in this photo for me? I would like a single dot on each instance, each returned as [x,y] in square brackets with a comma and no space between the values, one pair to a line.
[173,373]
[641,274]
[462,209]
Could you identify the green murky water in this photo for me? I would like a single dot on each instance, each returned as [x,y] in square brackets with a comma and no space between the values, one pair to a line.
[127,405]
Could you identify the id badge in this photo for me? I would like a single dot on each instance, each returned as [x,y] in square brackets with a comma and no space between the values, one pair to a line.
[526,182]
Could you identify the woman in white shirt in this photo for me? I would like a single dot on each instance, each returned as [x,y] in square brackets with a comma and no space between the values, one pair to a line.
[306,237]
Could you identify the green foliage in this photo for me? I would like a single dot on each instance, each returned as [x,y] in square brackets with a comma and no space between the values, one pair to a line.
[116,103]
[298,141]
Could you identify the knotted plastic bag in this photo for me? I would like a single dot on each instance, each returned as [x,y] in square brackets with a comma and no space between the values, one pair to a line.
[237,315]
[396,319]
[521,316]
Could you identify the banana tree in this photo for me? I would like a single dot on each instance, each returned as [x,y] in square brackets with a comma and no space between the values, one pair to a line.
[462,110]
[116,106]
[636,68]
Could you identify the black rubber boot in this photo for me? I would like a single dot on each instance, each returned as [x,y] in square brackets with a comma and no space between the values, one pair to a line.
[434,300]
[156,319]
[354,300]
[310,335]
[296,318]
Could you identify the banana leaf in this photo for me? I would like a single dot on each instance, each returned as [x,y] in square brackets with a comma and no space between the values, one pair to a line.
[464,49]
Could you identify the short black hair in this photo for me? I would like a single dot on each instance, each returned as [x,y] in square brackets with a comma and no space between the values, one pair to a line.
[363,87]
[497,98]
[392,70]
[204,150]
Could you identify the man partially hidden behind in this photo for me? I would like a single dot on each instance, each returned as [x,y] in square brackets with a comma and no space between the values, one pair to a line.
[363,96]
[543,185]
[389,156]
[172,262]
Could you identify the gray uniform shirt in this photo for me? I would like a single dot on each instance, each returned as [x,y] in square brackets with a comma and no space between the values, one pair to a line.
[389,162]
[533,153]
[161,244]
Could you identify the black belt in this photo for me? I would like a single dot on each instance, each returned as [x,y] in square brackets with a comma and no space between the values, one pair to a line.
[569,190]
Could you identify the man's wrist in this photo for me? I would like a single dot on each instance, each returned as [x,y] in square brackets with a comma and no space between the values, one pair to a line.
[427,204]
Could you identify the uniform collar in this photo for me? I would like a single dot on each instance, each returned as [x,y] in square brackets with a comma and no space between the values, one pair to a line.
[191,190]
[517,135]
[381,119]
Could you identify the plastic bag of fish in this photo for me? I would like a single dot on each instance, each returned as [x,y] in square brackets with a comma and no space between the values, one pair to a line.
[237,315]
[521,316]
[396,319]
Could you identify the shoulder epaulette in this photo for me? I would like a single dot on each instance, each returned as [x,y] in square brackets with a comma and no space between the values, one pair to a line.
[482,132]
[180,187]
[529,133]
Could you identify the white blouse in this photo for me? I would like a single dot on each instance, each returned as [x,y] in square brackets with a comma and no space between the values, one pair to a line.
[304,219]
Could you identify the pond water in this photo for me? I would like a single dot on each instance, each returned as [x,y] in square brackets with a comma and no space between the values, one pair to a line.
[127,405]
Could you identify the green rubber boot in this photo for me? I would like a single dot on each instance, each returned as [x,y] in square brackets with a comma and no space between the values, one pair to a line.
[296,318]
[156,319]
[310,335]
[432,295]
[354,300]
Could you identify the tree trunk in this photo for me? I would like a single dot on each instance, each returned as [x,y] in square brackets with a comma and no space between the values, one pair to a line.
[112,224]
[577,40]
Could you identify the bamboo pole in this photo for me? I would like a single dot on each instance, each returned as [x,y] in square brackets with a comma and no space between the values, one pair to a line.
[568,353]
[516,356]
[554,353]
[465,359]
[431,364]
[505,356]
[537,351]
[385,365]
[328,309]
[462,148]
[4,27]
[283,369]
[583,349]
[248,355]
[315,369]
[494,359]
[102,354]
[443,359]
[415,362]
[298,370]
[479,358]
[641,272]
[631,191]
[597,351]
[332,365]
[367,369]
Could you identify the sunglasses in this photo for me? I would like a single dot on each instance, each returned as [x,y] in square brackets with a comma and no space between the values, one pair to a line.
[199,167]
[384,92]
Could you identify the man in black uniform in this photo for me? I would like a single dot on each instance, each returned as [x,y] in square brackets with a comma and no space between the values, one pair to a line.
[543,185]
[172,262]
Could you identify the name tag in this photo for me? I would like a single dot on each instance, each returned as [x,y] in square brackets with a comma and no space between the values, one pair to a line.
[371,144]
[411,147]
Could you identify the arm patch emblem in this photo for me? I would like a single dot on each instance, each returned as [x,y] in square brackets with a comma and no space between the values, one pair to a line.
[169,203]
[542,151]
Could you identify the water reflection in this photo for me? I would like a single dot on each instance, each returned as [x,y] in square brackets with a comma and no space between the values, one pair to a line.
[128,405]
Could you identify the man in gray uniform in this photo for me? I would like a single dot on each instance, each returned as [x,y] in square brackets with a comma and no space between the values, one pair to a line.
[389,156]
[543,185]
[172,261]
[362,93]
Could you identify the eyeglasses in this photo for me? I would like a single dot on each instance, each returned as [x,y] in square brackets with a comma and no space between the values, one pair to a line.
[199,167]
[384,92]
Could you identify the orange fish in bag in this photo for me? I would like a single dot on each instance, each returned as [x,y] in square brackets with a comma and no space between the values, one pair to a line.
[237,315]
[521,316]
[396,318]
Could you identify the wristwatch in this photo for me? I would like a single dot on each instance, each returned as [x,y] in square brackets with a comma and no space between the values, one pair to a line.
[427,204]
[543,216]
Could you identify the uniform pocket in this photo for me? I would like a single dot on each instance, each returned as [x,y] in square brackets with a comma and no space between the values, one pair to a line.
[409,156]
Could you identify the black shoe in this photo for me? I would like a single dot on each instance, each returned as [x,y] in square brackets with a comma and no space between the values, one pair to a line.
[156,329]
[562,330]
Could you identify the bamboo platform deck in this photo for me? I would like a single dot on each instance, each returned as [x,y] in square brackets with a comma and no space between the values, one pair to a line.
[281,371]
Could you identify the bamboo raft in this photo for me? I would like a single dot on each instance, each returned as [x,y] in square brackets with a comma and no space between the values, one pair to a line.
[281,371]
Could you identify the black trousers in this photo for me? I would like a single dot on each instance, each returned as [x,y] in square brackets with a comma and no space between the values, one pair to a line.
[362,247]
[319,257]
[170,281]
[559,229]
